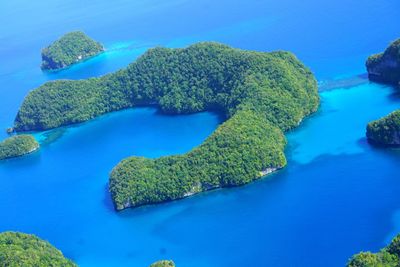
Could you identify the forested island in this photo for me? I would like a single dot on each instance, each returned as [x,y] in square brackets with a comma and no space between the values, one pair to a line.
[385,131]
[18,145]
[163,263]
[18,249]
[385,67]
[261,95]
[387,257]
[71,48]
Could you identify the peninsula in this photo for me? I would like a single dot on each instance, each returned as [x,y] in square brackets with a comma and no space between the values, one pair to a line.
[385,67]
[261,95]
[18,249]
[71,48]
[18,145]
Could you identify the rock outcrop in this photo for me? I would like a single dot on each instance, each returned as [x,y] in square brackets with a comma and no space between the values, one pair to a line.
[385,67]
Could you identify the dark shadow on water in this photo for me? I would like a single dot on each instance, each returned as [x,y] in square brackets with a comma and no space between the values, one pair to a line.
[22,161]
[107,201]
[377,145]
[395,95]
[363,142]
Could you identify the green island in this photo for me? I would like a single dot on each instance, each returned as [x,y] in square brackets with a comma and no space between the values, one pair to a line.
[261,95]
[385,131]
[163,263]
[18,249]
[69,49]
[18,145]
[385,67]
[387,257]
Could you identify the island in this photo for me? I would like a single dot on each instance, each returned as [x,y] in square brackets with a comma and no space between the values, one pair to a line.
[387,257]
[261,95]
[18,145]
[385,67]
[19,249]
[385,131]
[71,48]
[163,263]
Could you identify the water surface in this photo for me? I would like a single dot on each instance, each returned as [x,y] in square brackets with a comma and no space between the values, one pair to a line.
[337,196]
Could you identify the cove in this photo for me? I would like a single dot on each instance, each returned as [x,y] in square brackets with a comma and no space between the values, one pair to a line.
[62,189]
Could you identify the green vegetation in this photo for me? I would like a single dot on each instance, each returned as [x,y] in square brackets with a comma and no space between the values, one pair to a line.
[385,67]
[261,95]
[385,131]
[17,146]
[69,49]
[387,257]
[163,263]
[18,249]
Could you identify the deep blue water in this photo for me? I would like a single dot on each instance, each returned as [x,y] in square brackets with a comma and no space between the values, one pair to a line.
[337,196]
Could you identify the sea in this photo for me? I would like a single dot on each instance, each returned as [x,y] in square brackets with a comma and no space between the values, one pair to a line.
[337,196]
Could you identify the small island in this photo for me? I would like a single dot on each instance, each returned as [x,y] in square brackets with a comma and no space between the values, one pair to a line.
[260,94]
[387,257]
[18,145]
[385,67]
[385,131]
[163,263]
[71,48]
[18,249]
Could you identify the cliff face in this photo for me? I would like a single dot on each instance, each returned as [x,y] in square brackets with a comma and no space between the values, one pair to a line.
[385,131]
[385,67]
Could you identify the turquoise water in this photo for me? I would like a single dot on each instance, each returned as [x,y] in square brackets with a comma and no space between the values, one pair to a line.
[338,195]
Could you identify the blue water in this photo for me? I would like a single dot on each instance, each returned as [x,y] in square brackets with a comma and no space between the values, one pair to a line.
[337,196]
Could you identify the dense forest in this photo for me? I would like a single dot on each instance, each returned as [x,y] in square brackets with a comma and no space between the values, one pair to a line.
[385,131]
[69,49]
[17,146]
[261,95]
[18,249]
[387,257]
[385,67]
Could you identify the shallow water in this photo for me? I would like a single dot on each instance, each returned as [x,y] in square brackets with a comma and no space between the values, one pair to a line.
[338,195]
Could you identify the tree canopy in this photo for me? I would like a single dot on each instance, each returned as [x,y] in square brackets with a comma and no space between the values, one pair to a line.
[163,263]
[18,249]
[260,94]
[385,131]
[387,257]
[17,146]
[69,49]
